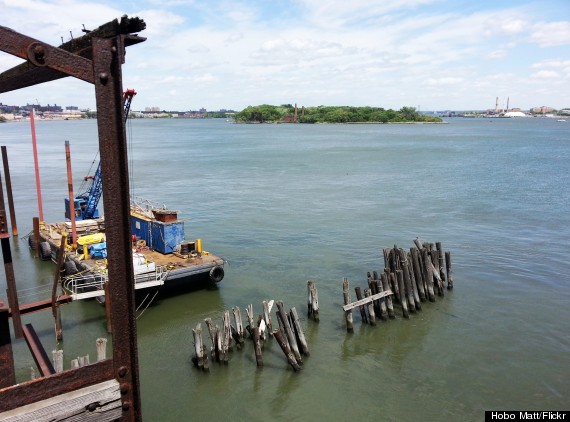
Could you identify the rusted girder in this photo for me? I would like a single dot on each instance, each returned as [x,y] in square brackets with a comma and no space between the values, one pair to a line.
[38,352]
[42,305]
[54,385]
[46,63]
[7,375]
[107,59]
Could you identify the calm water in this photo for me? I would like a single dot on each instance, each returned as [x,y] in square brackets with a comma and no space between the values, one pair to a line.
[288,203]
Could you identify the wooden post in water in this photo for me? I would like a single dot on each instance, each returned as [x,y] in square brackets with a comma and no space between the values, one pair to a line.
[299,334]
[403,298]
[371,313]
[409,267]
[389,303]
[313,300]
[226,337]
[441,258]
[346,297]
[418,274]
[101,346]
[282,340]
[409,287]
[428,275]
[250,324]
[57,357]
[239,325]
[36,239]
[267,315]
[362,308]
[449,271]
[257,346]
[282,316]
[198,357]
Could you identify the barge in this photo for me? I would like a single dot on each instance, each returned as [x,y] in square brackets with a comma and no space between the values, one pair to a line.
[160,251]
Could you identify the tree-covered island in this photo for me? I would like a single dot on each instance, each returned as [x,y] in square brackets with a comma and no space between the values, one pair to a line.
[287,113]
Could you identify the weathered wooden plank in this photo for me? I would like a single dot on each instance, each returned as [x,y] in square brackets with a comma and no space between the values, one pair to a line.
[99,402]
[366,300]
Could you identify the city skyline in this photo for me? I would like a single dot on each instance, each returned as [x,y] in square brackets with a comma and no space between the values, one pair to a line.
[428,54]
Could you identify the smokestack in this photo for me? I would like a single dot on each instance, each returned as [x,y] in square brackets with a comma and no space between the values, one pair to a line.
[497,105]
[507,105]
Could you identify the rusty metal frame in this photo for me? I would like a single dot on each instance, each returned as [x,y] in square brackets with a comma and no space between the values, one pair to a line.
[96,58]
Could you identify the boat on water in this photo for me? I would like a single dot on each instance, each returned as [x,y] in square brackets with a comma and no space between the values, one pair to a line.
[159,248]
[160,251]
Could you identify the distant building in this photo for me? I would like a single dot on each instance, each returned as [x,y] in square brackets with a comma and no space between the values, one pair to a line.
[541,110]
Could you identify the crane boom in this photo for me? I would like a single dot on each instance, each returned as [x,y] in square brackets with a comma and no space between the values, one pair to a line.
[86,204]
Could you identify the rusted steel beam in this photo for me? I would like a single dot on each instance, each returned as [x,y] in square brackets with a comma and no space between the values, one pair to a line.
[8,268]
[54,385]
[37,70]
[38,352]
[42,305]
[9,191]
[7,374]
[108,54]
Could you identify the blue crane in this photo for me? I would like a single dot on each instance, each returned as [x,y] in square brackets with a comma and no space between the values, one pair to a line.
[86,203]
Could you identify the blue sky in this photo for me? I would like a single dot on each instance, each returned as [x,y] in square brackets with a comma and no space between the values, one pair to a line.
[431,54]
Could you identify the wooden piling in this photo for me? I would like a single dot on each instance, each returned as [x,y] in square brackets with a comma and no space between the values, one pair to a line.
[403,298]
[441,261]
[250,324]
[418,274]
[239,325]
[198,357]
[449,271]
[394,287]
[409,287]
[226,337]
[101,346]
[428,275]
[346,297]
[438,282]
[371,313]
[363,312]
[267,315]
[284,320]
[313,300]
[299,334]
[389,302]
[57,358]
[257,346]
[282,341]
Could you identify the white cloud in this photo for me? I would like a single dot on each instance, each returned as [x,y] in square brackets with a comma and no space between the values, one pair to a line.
[546,74]
[548,34]
[445,81]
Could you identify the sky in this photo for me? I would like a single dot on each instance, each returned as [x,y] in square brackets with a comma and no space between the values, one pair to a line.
[427,54]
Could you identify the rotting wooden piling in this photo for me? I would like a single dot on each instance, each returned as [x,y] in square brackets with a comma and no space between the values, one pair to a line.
[257,346]
[299,334]
[449,271]
[313,300]
[284,321]
[282,341]
[389,302]
[371,313]
[403,298]
[346,297]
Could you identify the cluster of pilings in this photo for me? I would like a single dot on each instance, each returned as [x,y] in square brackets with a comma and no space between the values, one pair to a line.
[56,364]
[409,279]
[289,334]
